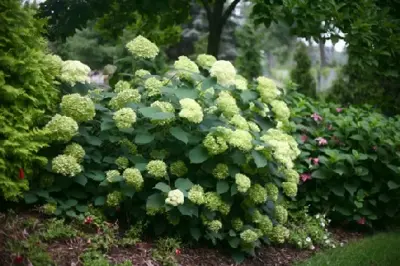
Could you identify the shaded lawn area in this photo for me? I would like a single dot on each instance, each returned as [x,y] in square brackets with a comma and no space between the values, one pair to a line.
[380,250]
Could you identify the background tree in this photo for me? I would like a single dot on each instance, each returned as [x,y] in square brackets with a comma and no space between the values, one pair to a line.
[301,74]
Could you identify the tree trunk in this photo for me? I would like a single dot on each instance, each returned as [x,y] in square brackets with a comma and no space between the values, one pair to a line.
[215,26]
[322,54]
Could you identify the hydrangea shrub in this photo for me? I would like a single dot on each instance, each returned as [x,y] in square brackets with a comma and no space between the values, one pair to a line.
[200,153]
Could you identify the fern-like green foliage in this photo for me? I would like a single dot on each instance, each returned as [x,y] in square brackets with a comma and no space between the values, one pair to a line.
[301,74]
[27,93]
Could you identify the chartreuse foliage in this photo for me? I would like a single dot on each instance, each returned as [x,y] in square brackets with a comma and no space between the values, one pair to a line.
[352,156]
[27,93]
[203,156]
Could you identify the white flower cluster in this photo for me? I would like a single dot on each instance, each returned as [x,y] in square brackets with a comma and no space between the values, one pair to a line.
[124,118]
[185,67]
[205,61]
[62,128]
[73,72]
[175,198]
[267,89]
[191,110]
[142,48]
[225,73]
[80,108]
[66,165]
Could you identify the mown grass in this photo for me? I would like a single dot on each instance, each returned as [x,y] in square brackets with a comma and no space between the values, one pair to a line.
[380,250]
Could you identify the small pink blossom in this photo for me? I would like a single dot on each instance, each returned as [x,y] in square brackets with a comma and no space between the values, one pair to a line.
[321,141]
[304,138]
[339,109]
[305,176]
[316,117]
[361,220]
[315,161]
[178,252]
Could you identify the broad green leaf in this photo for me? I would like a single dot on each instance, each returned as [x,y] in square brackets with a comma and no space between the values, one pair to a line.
[259,159]
[234,242]
[248,96]
[238,157]
[107,125]
[392,185]
[99,201]
[94,141]
[180,134]
[234,190]
[71,213]
[338,191]
[70,203]
[361,171]
[238,257]
[149,111]
[115,179]
[183,184]
[162,116]
[384,198]
[188,209]
[81,208]
[42,193]
[80,179]
[144,138]
[351,188]
[198,154]
[357,137]
[195,232]
[222,187]
[341,169]
[162,187]
[30,198]
[343,210]
[156,200]
[77,193]
[183,93]
[108,159]
[96,175]
[320,174]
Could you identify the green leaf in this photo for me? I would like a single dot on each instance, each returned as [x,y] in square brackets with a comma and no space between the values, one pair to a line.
[149,111]
[156,200]
[343,210]
[338,190]
[162,187]
[341,169]
[234,190]
[80,179]
[183,184]
[183,93]
[384,198]
[351,188]
[96,175]
[357,137]
[30,198]
[180,134]
[234,242]
[71,213]
[195,232]
[162,116]
[116,179]
[238,257]
[248,96]
[361,171]
[320,174]
[99,201]
[107,125]
[259,159]
[144,138]
[238,157]
[188,209]
[81,208]
[94,141]
[70,203]
[222,187]
[109,159]
[198,154]
[392,185]
[42,193]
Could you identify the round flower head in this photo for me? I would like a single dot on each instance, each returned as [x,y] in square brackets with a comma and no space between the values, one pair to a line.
[191,110]
[196,194]
[122,85]
[124,118]
[73,71]
[134,178]
[215,143]
[290,189]
[291,175]
[272,191]
[214,225]
[205,61]
[281,110]
[224,71]
[257,194]
[165,107]
[237,224]
[253,126]
[141,73]
[124,97]
[264,224]
[143,48]
[248,236]
[111,175]
[122,162]
[227,104]
[175,198]
[279,234]
[267,89]
[153,86]
[66,165]
[185,67]
[221,171]
[281,214]
[241,139]
[113,199]
[240,83]
[239,122]
[178,168]
[62,128]
[54,62]
[49,208]
[212,201]
[243,183]
[80,108]
[157,168]
[76,151]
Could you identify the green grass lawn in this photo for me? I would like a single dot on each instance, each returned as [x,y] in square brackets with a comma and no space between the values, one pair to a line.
[380,250]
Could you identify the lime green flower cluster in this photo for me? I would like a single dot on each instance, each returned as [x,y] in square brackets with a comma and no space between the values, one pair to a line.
[141,73]
[134,178]
[248,236]
[111,175]
[73,72]
[165,107]
[49,208]
[122,85]
[281,111]
[214,225]
[76,151]
[215,143]
[239,122]
[114,198]
[279,234]
[267,89]
[127,144]
[224,71]
[196,194]
[281,214]
[142,48]
[175,198]
[241,139]
[54,62]
[124,97]
[122,162]
[221,171]
[262,110]
[253,126]
[227,104]
[159,154]
[240,83]
[257,194]
[272,191]
[62,128]
[213,201]
[291,175]
[243,183]
[66,165]
[124,118]
[185,67]
[178,168]
[191,110]
[237,224]
[205,61]
[95,95]
[153,86]
[157,168]
[290,189]
[263,223]
[80,108]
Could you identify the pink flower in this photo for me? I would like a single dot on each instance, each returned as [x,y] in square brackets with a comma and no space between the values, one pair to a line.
[178,252]
[316,117]
[321,141]
[88,220]
[304,138]
[305,176]
[361,220]
[339,109]
[315,161]
[18,259]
